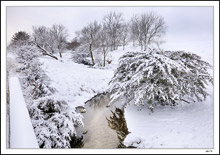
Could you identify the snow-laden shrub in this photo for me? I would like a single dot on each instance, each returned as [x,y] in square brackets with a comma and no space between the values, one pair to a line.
[36,78]
[26,54]
[54,122]
[33,74]
[81,56]
[160,77]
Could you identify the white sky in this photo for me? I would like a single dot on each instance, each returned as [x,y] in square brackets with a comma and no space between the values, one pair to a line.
[183,22]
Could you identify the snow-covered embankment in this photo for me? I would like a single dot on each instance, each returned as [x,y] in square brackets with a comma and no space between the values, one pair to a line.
[21,130]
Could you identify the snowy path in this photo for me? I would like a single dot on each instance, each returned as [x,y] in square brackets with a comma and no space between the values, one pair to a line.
[75,83]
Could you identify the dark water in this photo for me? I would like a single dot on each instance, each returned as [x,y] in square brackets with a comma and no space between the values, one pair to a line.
[118,123]
[104,126]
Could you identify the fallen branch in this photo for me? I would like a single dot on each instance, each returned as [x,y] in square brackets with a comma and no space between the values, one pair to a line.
[45,52]
[51,55]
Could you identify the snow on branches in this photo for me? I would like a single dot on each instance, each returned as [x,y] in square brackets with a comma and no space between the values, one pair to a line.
[54,122]
[160,77]
[52,119]
[35,82]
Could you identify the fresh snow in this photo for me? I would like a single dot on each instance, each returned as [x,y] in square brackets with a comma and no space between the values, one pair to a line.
[184,126]
[75,83]
[21,130]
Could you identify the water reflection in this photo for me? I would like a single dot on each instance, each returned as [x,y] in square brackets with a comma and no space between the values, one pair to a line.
[96,133]
[118,123]
[104,126]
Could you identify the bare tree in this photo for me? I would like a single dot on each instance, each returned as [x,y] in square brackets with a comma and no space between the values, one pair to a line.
[41,35]
[59,37]
[136,30]
[88,37]
[113,22]
[42,39]
[50,40]
[124,34]
[104,43]
[147,28]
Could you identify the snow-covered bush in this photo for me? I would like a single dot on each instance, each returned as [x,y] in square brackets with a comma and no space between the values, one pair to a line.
[160,77]
[35,82]
[54,122]
[36,78]
[81,56]
[26,54]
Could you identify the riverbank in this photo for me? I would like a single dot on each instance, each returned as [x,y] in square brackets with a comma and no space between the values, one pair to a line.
[184,126]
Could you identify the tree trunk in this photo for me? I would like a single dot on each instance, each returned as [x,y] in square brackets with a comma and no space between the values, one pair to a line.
[114,45]
[104,59]
[90,50]
[145,47]
[60,54]
[45,52]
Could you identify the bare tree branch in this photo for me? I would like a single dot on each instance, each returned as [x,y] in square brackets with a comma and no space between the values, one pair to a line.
[45,52]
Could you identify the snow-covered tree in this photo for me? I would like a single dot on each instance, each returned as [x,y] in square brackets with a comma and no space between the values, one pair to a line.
[41,37]
[50,40]
[88,37]
[54,122]
[35,82]
[160,77]
[20,38]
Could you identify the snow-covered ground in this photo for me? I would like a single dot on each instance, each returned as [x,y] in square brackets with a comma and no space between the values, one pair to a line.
[75,83]
[184,126]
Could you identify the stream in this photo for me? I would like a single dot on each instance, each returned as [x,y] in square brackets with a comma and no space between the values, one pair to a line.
[104,126]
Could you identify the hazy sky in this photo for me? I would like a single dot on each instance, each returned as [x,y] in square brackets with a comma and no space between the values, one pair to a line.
[182,22]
